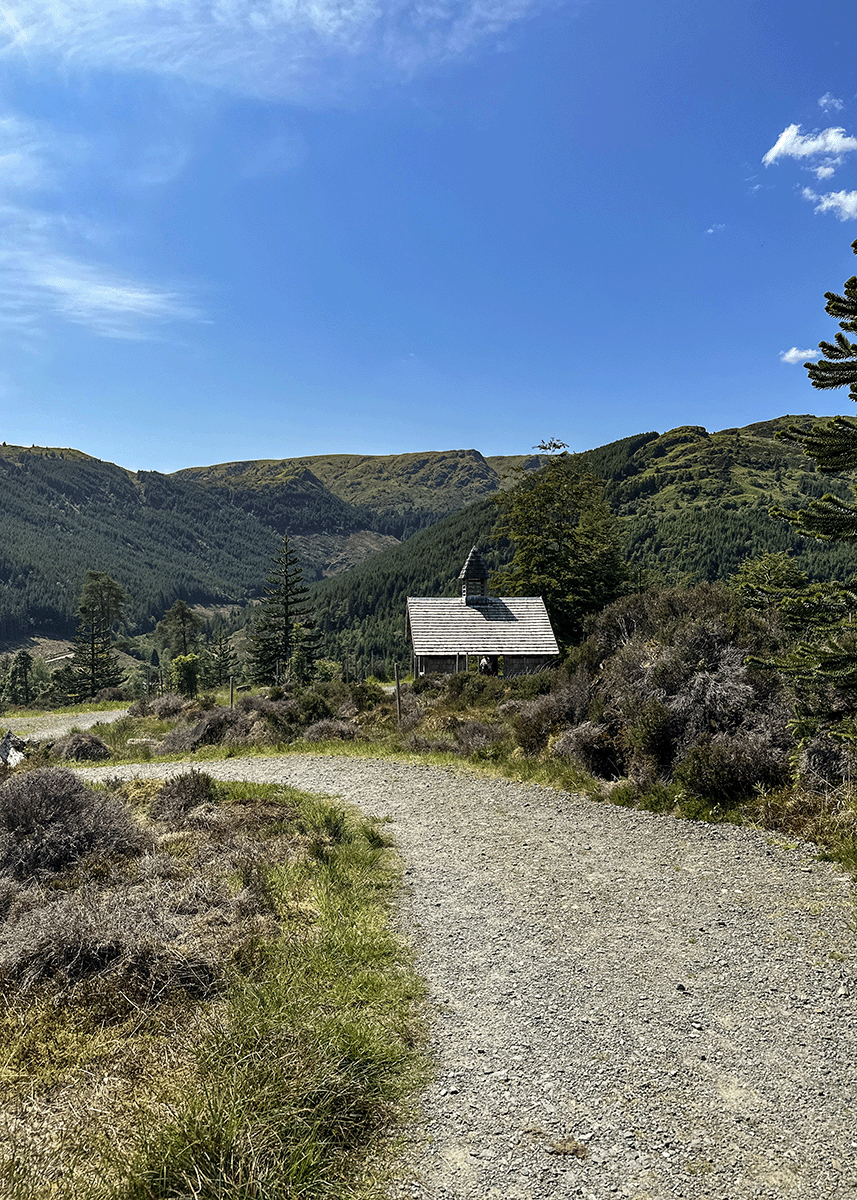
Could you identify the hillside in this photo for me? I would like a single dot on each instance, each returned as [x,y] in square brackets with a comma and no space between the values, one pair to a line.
[694,506]
[395,494]
[694,503]
[65,513]
[205,534]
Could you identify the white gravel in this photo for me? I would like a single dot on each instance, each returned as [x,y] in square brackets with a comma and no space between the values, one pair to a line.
[680,999]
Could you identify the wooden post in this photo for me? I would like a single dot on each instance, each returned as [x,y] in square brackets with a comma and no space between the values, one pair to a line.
[398,695]
[231,691]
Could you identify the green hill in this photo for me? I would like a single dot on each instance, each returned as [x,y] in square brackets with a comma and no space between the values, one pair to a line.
[694,506]
[393,494]
[65,513]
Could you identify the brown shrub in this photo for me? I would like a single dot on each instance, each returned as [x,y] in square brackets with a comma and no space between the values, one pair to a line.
[49,820]
[81,747]
[591,745]
[181,794]
[330,729]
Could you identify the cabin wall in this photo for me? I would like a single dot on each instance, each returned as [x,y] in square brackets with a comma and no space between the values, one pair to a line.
[526,664]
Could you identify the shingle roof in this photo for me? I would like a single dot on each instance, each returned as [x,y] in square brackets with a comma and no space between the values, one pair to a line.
[487,625]
[475,567]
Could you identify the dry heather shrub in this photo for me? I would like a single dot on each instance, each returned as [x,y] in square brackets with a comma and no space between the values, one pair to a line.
[590,745]
[181,794]
[210,730]
[424,745]
[824,761]
[81,747]
[168,705]
[329,728]
[49,820]
[251,729]
[724,769]
[115,950]
[475,737]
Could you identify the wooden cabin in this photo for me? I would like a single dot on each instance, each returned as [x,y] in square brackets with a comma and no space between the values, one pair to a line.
[510,635]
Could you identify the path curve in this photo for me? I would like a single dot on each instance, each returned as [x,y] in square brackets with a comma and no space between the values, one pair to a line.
[56,725]
[676,1001]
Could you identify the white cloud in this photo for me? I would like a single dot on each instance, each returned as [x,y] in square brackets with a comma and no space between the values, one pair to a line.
[832,143]
[256,47]
[829,102]
[798,356]
[823,172]
[715,228]
[843,204]
[46,257]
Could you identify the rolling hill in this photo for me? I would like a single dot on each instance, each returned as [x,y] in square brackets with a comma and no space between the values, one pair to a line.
[371,530]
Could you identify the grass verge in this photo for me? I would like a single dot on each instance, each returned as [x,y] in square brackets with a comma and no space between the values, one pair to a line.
[286,1084]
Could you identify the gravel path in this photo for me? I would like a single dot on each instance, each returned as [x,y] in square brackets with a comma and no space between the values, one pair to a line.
[52,725]
[675,1002]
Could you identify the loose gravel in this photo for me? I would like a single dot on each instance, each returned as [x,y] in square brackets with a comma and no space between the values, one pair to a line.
[51,725]
[622,1004]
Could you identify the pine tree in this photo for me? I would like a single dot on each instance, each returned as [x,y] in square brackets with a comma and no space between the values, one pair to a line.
[832,444]
[179,629]
[568,542]
[101,605]
[219,660]
[283,611]
[827,650]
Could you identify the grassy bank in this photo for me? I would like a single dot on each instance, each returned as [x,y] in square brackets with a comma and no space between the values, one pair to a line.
[269,1051]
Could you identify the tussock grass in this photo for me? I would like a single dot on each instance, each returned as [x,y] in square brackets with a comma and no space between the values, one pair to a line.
[274,1069]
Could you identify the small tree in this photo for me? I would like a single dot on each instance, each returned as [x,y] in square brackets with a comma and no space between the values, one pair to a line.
[284,607]
[832,444]
[101,605]
[219,660]
[179,629]
[568,543]
[829,649]
[184,674]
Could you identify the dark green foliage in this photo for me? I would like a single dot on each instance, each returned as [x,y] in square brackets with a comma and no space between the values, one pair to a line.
[219,660]
[62,514]
[49,820]
[102,603]
[284,641]
[179,630]
[567,543]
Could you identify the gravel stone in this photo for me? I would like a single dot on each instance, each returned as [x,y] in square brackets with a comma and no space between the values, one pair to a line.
[622,1004]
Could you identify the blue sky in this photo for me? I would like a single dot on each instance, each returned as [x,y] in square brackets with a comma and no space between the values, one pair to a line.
[262,228]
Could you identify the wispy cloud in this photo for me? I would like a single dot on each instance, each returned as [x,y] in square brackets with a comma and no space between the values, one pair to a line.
[841,204]
[48,267]
[715,228]
[830,103]
[798,356]
[256,47]
[830,145]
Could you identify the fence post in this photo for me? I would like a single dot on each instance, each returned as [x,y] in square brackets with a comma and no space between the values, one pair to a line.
[398,695]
